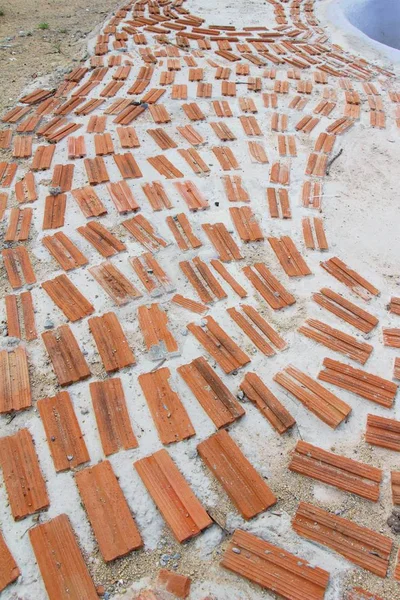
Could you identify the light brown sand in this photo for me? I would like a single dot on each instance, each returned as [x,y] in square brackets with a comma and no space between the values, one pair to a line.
[28,52]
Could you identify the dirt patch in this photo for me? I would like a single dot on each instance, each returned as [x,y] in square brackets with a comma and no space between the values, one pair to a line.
[40,38]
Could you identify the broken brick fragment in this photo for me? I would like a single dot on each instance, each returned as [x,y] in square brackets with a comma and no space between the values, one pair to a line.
[178,585]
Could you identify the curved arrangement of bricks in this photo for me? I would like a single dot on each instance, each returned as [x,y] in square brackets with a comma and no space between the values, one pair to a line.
[117,171]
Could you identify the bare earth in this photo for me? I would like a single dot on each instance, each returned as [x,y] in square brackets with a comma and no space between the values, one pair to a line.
[28,52]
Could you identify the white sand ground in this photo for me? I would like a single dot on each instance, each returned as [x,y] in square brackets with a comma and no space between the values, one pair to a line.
[362,216]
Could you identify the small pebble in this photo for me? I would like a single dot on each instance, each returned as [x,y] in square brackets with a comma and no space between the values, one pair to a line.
[55,191]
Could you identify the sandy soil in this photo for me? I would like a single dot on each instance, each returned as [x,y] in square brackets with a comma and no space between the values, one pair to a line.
[28,52]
